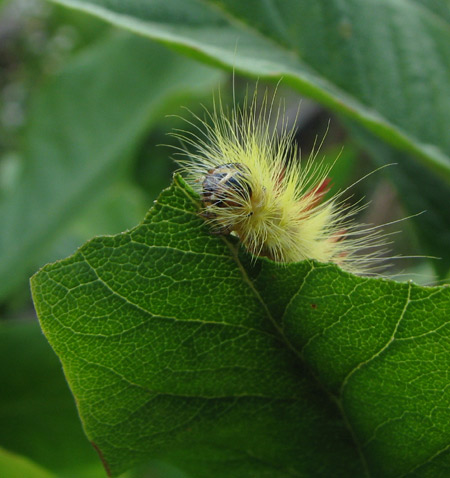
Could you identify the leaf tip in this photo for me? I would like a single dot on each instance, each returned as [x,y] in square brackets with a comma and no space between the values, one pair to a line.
[102,458]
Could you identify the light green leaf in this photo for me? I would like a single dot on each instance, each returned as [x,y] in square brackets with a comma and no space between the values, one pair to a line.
[16,466]
[384,63]
[177,347]
[83,126]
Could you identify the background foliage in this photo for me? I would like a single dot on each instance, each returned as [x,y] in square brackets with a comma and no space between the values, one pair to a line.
[83,106]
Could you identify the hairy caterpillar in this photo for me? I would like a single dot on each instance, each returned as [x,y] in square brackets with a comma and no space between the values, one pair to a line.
[253,185]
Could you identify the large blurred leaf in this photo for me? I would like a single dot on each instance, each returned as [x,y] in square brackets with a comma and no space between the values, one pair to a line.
[118,208]
[384,63]
[37,411]
[15,466]
[441,8]
[178,348]
[82,127]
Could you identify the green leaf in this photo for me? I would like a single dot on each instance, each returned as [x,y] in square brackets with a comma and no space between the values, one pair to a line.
[179,348]
[83,126]
[37,410]
[15,466]
[381,349]
[384,63]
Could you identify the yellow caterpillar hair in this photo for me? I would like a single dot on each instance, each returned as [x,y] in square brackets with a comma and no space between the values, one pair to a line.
[253,185]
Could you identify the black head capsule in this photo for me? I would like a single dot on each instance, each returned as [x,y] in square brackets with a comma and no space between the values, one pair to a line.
[225,185]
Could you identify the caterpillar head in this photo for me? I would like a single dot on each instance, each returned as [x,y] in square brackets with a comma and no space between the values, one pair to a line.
[226,188]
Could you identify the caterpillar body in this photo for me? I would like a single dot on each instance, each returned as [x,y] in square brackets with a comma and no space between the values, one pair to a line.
[252,184]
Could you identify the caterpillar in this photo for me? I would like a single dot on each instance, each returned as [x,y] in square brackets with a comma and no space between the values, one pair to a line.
[253,184]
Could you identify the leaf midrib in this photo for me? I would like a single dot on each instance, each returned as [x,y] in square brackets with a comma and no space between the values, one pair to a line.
[279,330]
[431,155]
[400,131]
[291,347]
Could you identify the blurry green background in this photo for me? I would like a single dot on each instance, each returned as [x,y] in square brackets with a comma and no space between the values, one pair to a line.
[80,156]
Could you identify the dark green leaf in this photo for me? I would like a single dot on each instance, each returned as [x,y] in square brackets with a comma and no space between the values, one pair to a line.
[37,411]
[176,347]
[381,349]
[384,63]
[422,192]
